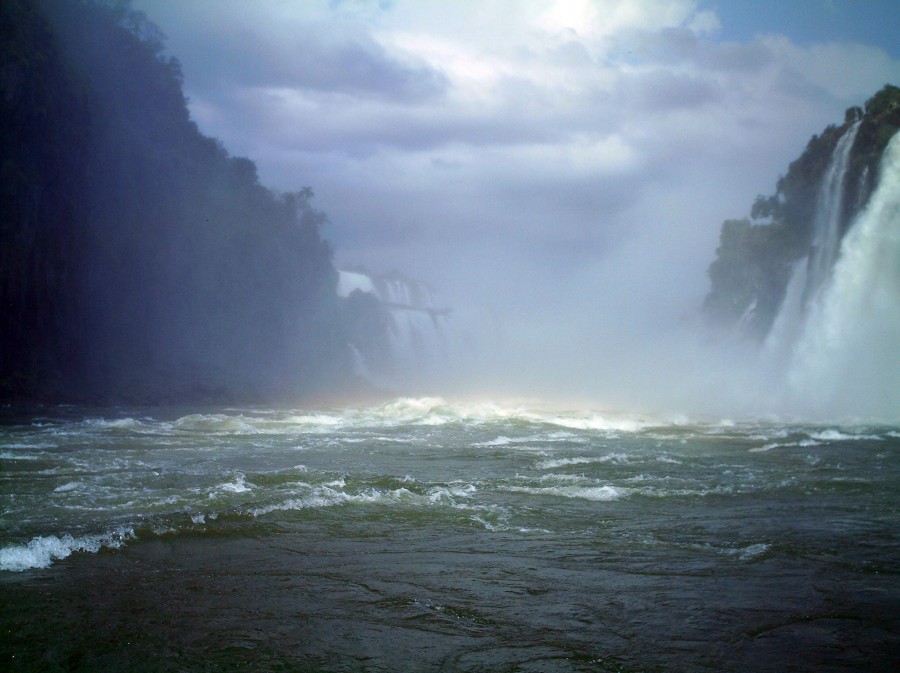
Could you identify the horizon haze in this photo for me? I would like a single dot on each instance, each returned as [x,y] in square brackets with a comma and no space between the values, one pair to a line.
[557,171]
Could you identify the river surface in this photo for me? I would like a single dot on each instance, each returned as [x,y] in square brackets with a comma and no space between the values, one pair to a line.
[427,535]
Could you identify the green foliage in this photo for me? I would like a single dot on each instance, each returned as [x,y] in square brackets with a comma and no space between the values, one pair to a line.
[884,101]
[767,207]
[140,261]
[881,124]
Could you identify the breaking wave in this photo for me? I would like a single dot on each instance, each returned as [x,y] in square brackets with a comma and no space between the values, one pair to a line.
[42,551]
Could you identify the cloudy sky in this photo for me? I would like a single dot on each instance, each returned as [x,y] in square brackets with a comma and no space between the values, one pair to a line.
[541,163]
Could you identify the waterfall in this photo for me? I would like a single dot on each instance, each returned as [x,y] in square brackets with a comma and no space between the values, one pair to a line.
[789,321]
[829,215]
[847,356]
[811,272]
[406,337]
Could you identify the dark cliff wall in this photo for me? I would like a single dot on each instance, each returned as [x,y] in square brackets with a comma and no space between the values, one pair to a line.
[756,255]
[139,261]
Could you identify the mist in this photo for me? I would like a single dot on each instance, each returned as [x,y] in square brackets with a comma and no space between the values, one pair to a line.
[468,335]
[556,172]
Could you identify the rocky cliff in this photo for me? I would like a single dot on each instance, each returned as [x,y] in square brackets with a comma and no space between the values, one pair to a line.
[139,261]
[803,222]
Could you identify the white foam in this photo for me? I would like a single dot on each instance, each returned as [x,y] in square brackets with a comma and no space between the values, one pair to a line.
[433,410]
[326,496]
[502,440]
[327,420]
[332,494]
[41,552]
[597,422]
[35,445]
[236,485]
[836,435]
[668,459]
[830,435]
[766,447]
[654,492]
[780,434]
[617,458]
[562,462]
[803,443]
[9,455]
[215,423]
[751,552]
[440,494]
[114,424]
[595,493]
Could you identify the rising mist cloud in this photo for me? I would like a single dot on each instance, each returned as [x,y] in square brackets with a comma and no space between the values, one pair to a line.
[545,163]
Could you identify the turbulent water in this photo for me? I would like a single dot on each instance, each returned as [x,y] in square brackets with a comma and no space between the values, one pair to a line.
[849,351]
[425,535]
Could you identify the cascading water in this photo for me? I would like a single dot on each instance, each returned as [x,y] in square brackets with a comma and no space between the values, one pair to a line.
[411,327]
[417,326]
[811,272]
[847,356]
[789,321]
[829,214]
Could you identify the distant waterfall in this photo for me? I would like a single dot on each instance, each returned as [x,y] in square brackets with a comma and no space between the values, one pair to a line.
[847,355]
[401,336]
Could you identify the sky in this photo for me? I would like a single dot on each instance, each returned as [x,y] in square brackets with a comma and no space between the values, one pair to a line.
[557,170]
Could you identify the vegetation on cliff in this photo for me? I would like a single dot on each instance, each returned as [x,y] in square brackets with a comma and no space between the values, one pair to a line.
[756,255]
[139,261]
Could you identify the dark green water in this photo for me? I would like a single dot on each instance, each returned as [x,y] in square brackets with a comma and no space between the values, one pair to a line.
[422,535]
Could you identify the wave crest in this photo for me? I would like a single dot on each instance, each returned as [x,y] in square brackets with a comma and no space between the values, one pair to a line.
[41,552]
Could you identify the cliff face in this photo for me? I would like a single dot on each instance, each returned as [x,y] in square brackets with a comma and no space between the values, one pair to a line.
[139,261]
[757,255]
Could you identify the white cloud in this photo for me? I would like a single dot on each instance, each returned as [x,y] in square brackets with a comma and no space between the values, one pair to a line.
[844,70]
[597,19]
